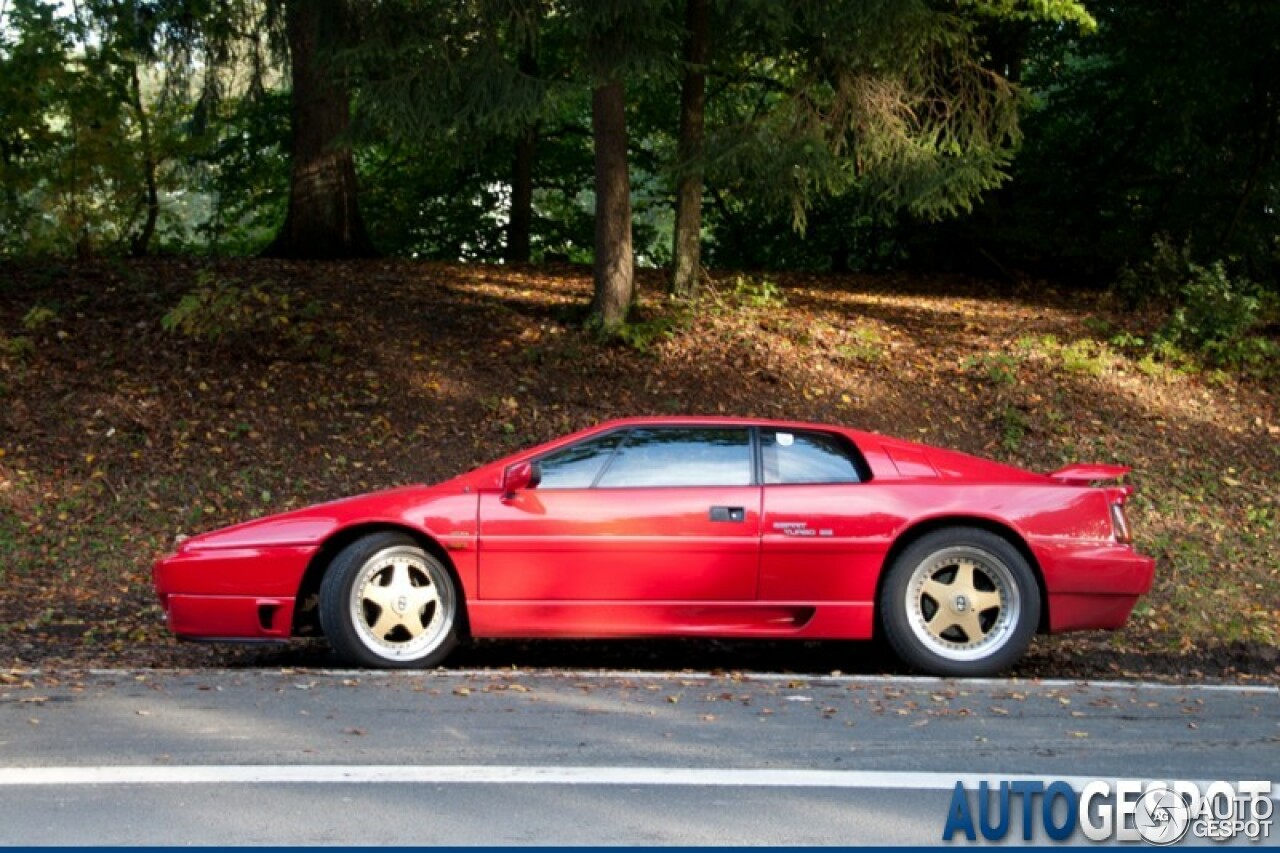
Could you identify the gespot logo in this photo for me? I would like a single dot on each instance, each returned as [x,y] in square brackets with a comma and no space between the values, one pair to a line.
[1162,815]
[1159,813]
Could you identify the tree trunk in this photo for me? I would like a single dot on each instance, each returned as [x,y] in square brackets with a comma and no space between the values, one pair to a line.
[687,248]
[520,223]
[323,220]
[141,244]
[614,265]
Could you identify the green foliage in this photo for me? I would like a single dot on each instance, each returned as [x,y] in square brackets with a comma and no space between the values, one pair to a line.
[68,173]
[882,103]
[1013,427]
[757,293]
[38,317]
[221,310]
[1054,11]
[239,170]
[1216,316]
[641,335]
[1086,356]
[997,368]
[100,108]
[833,131]
[1161,277]
[1210,312]
[1163,121]
[867,345]
[17,349]
[1127,340]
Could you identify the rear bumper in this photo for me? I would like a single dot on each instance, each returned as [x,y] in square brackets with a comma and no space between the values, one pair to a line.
[1092,586]
[1076,612]
[231,593]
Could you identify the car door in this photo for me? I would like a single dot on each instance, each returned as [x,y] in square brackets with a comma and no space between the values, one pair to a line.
[823,536]
[664,513]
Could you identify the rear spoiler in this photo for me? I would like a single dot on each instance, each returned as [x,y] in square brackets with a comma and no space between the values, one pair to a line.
[1083,474]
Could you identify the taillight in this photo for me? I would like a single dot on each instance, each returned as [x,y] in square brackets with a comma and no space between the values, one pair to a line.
[1120,524]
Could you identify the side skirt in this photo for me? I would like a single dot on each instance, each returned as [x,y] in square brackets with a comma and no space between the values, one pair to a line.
[593,619]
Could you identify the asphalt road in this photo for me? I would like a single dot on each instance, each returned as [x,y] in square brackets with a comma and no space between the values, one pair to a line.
[519,757]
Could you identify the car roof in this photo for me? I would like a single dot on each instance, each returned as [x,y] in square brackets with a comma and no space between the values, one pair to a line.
[712,420]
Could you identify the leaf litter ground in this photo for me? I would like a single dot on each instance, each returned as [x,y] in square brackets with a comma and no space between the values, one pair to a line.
[116,435]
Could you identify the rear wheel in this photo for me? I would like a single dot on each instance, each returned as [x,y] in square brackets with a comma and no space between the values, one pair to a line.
[960,602]
[385,602]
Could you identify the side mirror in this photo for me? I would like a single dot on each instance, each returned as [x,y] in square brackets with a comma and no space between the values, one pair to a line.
[522,475]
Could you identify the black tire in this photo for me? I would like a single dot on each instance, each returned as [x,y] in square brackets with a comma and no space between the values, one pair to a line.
[950,584]
[387,603]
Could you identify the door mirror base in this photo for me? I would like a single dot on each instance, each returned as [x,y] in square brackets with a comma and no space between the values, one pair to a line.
[522,475]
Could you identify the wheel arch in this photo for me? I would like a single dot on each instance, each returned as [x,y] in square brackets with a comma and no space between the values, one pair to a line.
[924,527]
[306,613]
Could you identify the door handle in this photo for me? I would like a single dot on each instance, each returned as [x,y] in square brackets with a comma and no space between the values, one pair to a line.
[729,513]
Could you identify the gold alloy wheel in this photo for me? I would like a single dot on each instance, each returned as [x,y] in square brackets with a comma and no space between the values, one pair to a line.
[963,603]
[400,605]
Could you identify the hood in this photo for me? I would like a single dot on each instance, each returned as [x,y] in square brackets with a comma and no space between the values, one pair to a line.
[312,524]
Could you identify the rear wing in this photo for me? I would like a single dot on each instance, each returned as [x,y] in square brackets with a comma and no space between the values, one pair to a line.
[1117,496]
[1078,475]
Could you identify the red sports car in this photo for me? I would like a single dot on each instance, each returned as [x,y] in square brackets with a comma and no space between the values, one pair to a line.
[716,527]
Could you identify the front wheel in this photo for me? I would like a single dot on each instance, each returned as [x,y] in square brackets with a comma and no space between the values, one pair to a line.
[960,602]
[385,602]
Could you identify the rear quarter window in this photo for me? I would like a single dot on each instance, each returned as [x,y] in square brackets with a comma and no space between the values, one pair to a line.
[799,456]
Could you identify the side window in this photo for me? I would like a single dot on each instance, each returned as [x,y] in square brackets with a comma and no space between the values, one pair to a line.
[576,466]
[681,456]
[806,457]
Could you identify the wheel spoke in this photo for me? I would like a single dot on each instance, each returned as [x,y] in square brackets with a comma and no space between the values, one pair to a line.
[400,581]
[963,583]
[936,590]
[970,624]
[420,596]
[379,595]
[941,621]
[387,621]
[984,600]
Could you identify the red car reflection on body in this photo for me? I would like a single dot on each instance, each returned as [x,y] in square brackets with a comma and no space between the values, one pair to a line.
[716,527]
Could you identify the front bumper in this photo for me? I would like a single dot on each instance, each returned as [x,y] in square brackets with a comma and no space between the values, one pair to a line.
[231,593]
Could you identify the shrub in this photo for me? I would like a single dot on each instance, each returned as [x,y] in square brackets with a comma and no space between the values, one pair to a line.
[1160,278]
[1217,317]
[17,349]
[758,293]
[219,310]
[38,317]
[1211,313]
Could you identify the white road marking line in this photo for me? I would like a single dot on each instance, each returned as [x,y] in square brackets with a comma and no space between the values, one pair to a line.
[387,774]
[652,675]
[909,680]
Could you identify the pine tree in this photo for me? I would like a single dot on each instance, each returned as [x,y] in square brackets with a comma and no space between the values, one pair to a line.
[466,74]
[874,107]
[323,219]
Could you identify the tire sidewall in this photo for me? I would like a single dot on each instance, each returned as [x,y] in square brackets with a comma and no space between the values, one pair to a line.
[896,620]
[335,608]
